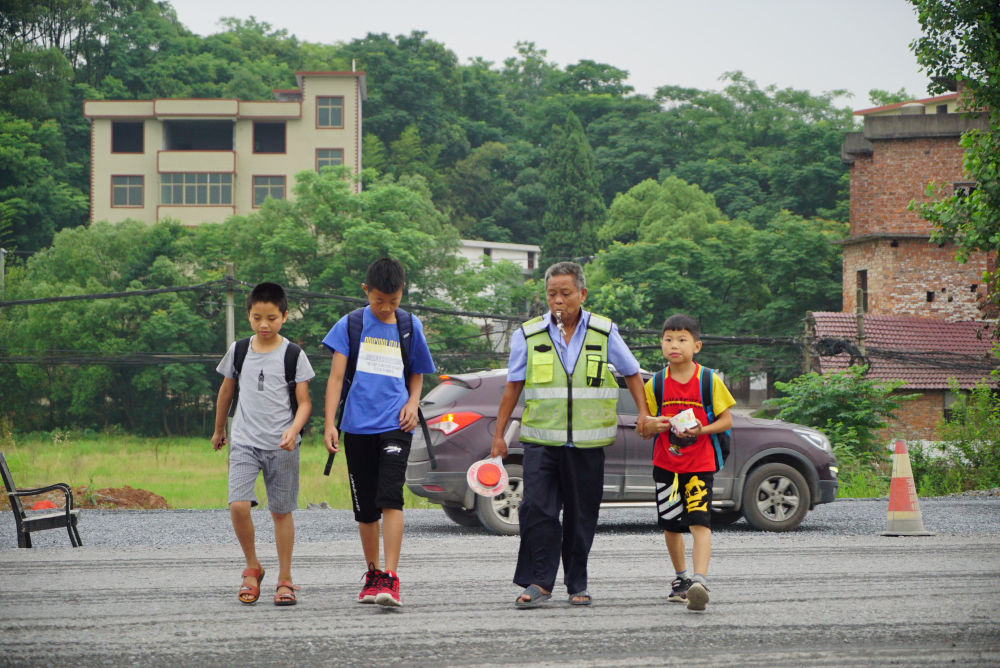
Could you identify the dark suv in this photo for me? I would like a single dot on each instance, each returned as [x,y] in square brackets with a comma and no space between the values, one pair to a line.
[777,471]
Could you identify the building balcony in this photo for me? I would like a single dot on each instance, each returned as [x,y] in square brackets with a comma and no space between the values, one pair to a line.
[212,108]
[195,215]
[196,161]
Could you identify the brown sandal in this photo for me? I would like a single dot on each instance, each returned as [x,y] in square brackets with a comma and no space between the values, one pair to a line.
[285,597]
[249,594]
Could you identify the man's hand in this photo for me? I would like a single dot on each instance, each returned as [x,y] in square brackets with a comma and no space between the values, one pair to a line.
[652,426]
[499,447]
[331,439]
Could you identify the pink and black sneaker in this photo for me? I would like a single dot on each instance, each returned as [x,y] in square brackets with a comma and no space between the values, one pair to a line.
[388,591]
[373,583]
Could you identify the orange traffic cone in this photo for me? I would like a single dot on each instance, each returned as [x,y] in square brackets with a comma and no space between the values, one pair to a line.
[904,511]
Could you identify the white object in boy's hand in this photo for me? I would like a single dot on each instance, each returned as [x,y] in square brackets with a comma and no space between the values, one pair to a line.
[684,421]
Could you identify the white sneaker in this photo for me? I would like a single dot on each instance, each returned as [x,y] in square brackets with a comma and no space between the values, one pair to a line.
[697,596]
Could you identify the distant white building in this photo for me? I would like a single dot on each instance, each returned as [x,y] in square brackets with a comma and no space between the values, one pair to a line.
[203,160]
[523,255]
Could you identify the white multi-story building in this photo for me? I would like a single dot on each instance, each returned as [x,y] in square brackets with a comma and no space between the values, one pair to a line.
[203,160]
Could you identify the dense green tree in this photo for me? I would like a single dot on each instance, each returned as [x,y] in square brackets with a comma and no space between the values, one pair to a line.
[575,209]
[35,199]
[961,46]
[672,250]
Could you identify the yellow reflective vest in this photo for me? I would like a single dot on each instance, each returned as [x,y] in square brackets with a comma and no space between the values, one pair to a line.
[561,408]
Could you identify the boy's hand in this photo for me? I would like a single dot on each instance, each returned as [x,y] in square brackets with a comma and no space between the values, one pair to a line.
[331,439]
[693,431]
[288,439]
[218,440]
[408,416]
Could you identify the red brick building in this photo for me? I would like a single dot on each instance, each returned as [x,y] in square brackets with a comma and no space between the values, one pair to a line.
[922,319]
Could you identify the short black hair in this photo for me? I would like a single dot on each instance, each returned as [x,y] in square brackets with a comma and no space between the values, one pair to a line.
[385,275]
[271,293]
[680,321]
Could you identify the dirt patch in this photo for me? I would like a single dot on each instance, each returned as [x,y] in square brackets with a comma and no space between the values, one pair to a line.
[126,497]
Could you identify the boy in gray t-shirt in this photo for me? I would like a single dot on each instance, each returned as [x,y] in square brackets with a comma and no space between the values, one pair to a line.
[265,437]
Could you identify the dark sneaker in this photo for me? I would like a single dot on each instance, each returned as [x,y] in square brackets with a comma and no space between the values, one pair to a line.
[388,591]
[697,596]
[678,590]
[373,579]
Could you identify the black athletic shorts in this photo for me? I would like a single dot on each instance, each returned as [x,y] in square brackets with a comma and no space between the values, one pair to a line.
[683,499]
[376,469]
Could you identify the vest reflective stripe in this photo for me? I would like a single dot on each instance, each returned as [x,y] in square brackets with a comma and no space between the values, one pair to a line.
[577,408]
[561,435]
[563,393]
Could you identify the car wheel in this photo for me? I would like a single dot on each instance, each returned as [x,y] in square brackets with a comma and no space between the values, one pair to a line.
[723,518]
[461,516]
[775,498]
[498,514]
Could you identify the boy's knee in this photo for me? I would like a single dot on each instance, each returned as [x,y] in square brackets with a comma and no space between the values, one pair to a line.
[242,507]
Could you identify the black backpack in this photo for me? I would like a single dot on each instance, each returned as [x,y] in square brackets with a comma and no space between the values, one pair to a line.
[355,324]
[721,442]
[291,362]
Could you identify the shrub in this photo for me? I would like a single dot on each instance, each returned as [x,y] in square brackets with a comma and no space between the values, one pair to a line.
[968,455]
[849,408]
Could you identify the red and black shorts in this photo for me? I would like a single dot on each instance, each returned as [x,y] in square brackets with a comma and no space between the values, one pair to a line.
[683,499]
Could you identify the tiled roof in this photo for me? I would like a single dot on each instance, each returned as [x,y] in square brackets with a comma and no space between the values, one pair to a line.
[925,352]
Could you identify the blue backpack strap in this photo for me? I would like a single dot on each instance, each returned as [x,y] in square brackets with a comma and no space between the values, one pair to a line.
[239,354]
[658,379]
[720,442]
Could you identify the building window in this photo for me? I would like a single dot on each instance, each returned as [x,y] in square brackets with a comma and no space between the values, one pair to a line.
[930,296]
[862,280]
[126,136]
[488,252]
[942,108]
[329,112]
[190,189]
[268,186]
[329,157]
[531,259]
[126,191]
[268,137]
[964,188]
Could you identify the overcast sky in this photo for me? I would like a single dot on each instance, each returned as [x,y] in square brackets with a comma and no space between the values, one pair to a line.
[814,45]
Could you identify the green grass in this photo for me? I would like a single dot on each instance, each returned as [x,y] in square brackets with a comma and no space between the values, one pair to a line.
[187,472]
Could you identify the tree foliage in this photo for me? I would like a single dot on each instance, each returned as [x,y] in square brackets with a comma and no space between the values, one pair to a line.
[849,408]
[960,46]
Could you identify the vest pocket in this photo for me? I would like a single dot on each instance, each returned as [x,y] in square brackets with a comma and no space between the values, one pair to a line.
[542,368]
[595,370]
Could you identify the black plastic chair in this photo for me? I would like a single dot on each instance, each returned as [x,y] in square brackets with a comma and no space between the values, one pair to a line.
[39,521]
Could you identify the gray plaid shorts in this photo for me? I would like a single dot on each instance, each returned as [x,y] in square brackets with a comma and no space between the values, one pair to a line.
[281,476]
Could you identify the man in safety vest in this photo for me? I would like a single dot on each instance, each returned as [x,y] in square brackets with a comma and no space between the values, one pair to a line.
[561,362]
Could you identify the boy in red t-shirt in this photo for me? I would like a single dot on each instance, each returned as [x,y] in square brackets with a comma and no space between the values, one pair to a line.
[684,463]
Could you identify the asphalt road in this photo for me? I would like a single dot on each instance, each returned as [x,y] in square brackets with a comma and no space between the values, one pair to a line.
[159,588]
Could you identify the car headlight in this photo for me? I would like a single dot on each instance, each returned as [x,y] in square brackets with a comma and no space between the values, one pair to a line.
[815,438]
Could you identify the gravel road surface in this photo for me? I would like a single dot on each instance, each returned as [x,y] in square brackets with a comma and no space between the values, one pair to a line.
[159,588]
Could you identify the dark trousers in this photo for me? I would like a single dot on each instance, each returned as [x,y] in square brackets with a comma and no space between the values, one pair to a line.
[566,479]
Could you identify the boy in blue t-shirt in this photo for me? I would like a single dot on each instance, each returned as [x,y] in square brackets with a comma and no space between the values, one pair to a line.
[378,419]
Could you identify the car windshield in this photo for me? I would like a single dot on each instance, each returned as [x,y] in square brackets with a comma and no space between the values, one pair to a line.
[446,393]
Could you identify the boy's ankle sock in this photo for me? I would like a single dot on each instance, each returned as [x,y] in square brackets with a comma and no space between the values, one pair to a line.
[682,574]
[698,577]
